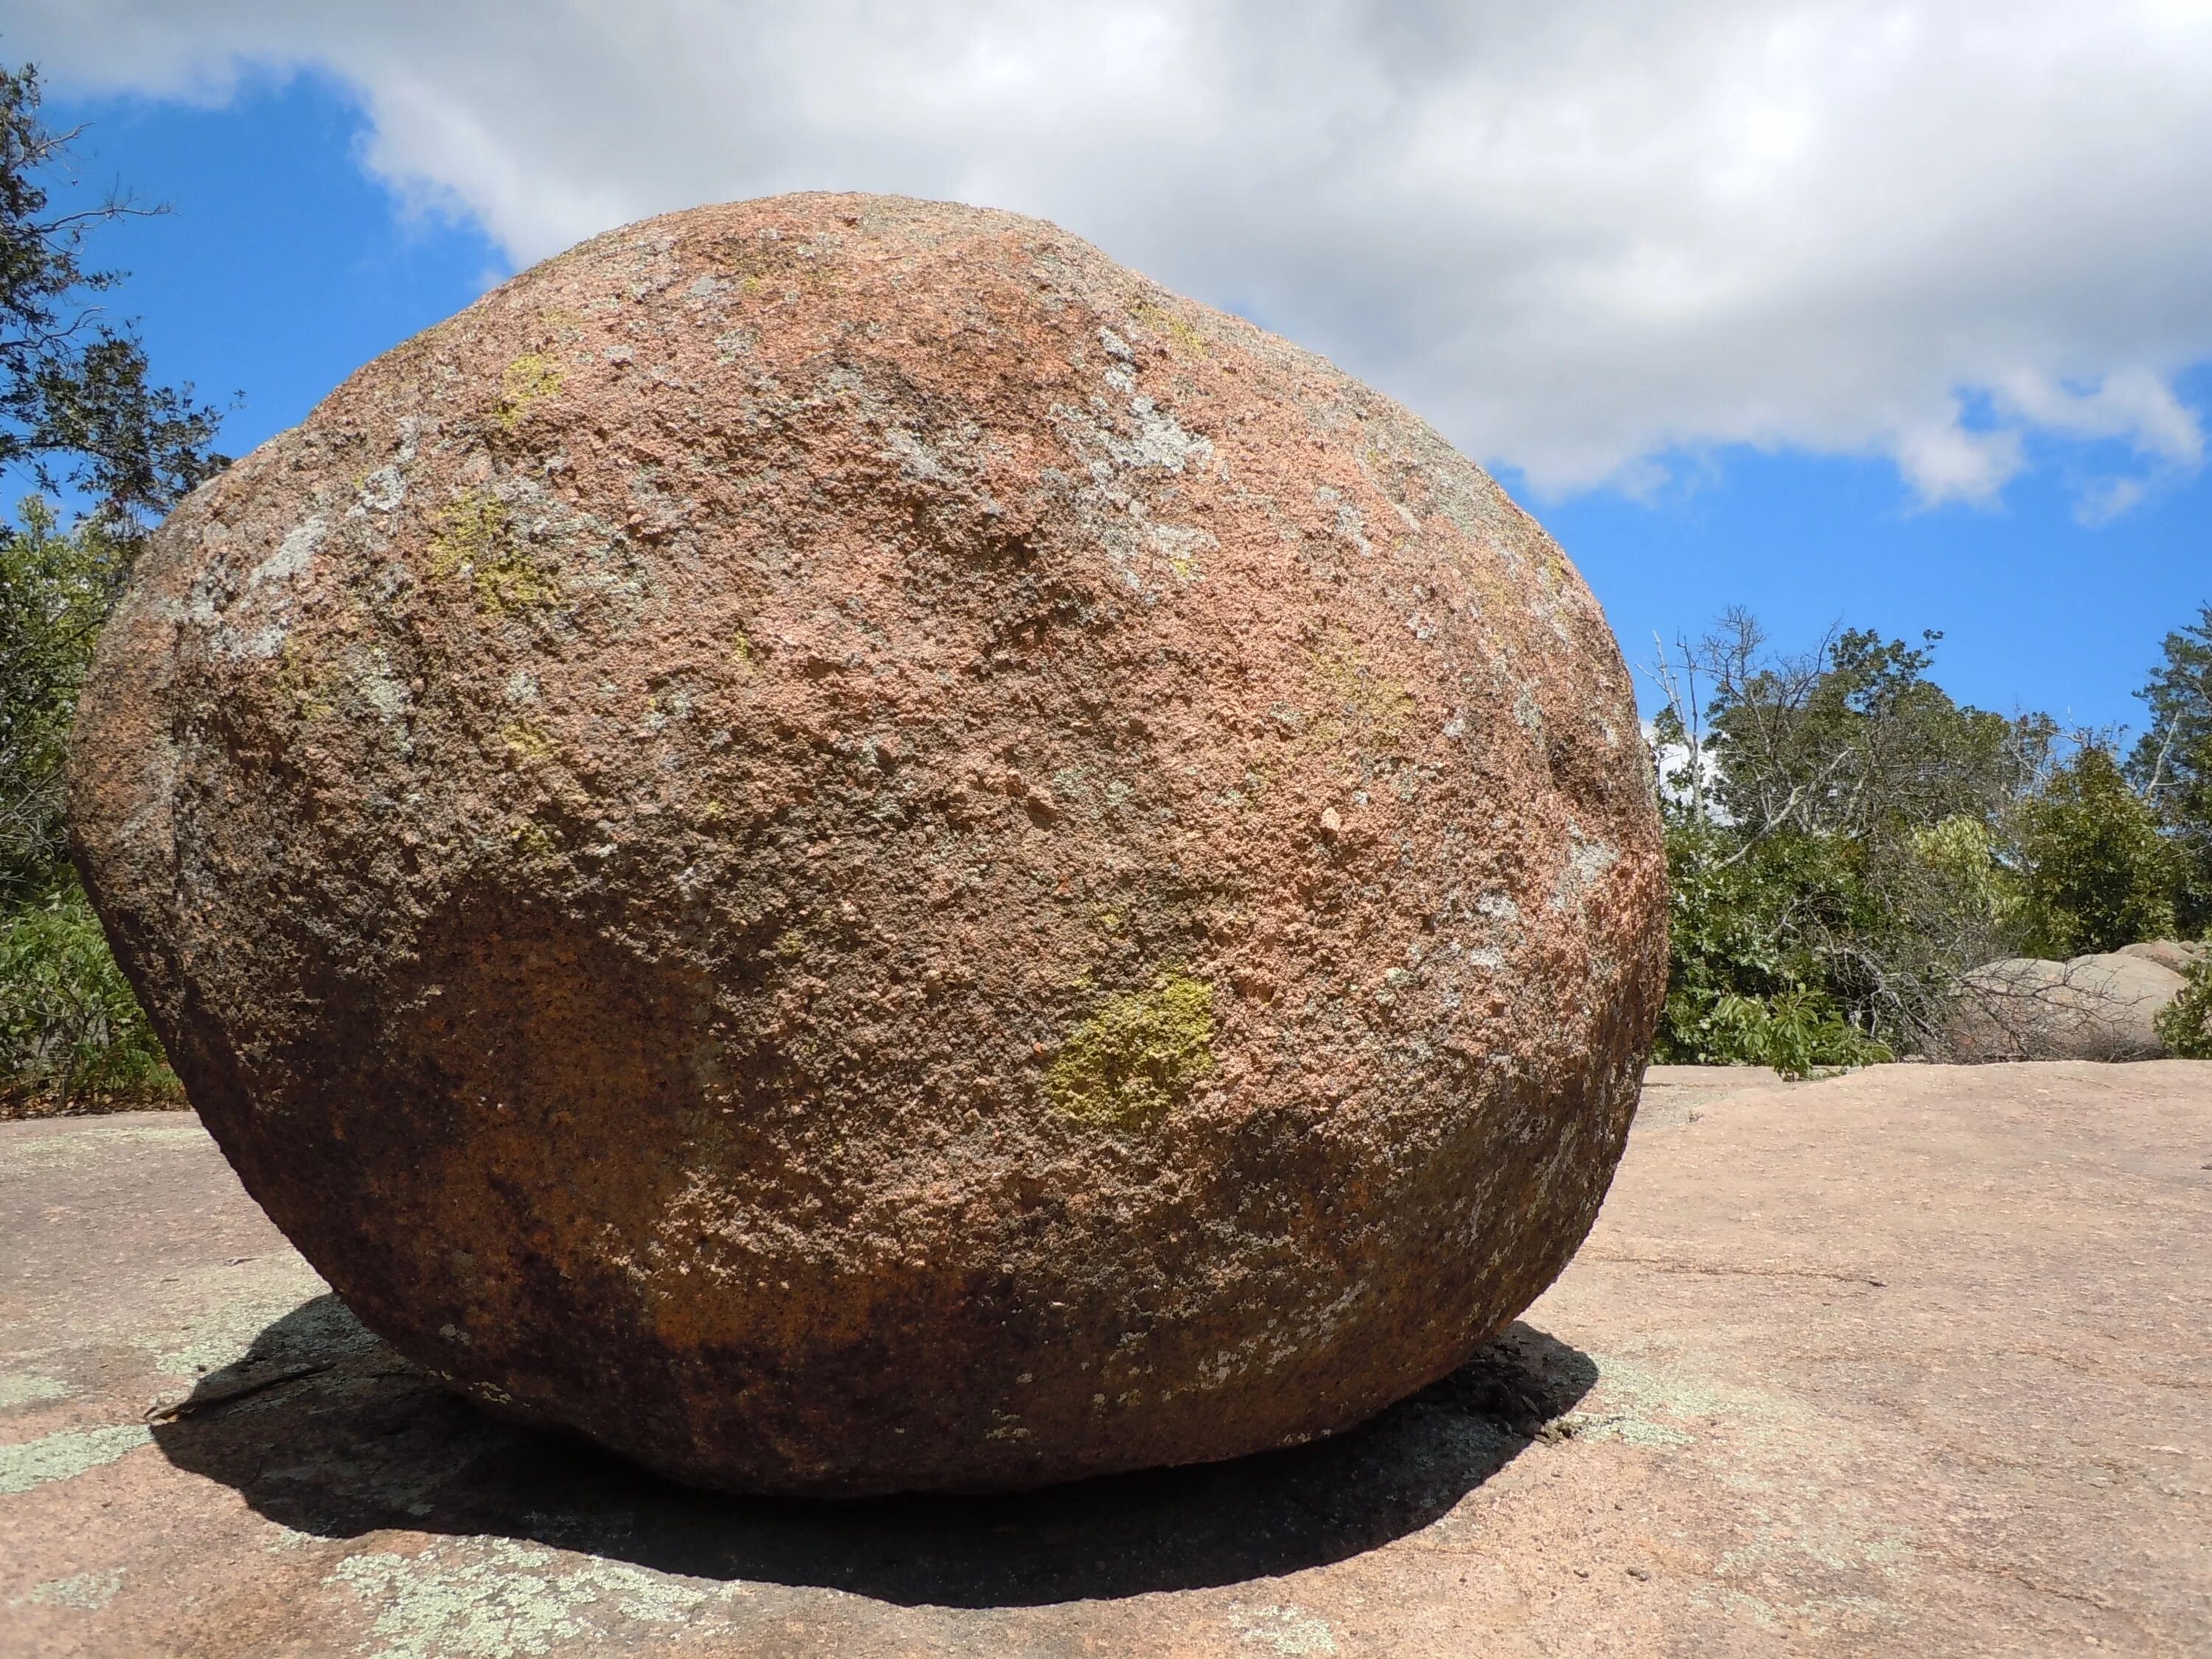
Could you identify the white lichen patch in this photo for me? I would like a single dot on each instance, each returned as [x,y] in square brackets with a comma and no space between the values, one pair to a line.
[375,684]
[1642,1405]
[494,1599]
[1809,1559]
[384,489]
[236,1304]
[87,1592]
[1287,1630]
[65,1148]
[29,1388]
[65,1456]
[1153,441]
[1180,547]
[1586,861]
[294,555]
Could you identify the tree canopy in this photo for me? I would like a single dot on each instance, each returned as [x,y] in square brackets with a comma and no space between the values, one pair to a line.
[2171,764]
[78,406]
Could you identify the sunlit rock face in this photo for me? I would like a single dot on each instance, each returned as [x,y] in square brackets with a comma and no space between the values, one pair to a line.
[846,847]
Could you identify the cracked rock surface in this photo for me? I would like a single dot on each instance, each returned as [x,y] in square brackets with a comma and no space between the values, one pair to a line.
[846,847]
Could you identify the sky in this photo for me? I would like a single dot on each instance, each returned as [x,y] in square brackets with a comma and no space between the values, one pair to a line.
[1897,315]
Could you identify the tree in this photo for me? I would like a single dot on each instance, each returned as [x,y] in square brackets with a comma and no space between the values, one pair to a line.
[1853,739]
[77,410]
[2097,874]
[2172,765]
[77,406]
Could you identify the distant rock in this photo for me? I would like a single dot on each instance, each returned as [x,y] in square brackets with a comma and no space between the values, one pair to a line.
[2179,955]
[846,847]
[2094,1007]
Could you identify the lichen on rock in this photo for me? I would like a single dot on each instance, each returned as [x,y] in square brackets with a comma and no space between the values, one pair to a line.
[1138,1056]
[475,539]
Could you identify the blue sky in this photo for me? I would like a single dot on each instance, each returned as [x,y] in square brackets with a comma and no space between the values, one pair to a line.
[291,256]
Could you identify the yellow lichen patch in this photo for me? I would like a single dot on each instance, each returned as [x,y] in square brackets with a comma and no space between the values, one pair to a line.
[741,649]
[1138,1056]
[305,685]
[525,741]
[534,841]
[1354,704]
[475,538]
[530,379]
[1159,320]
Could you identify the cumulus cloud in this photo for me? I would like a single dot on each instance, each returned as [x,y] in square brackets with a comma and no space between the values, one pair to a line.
[1591,239]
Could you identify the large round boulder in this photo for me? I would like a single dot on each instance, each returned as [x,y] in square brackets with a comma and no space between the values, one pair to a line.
[846,847]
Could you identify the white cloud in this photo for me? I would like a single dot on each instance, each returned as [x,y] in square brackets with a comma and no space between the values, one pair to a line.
[1578,236]
[1946,461]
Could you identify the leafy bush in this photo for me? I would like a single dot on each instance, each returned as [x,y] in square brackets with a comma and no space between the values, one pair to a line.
[55,589]
[1744,988]
[2096,873]
[1798,1031]
[72,1036]
[2184,1025]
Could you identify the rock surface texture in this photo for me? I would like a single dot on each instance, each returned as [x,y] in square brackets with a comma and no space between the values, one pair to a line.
[848,847]
[2179,955]
[2104,1007]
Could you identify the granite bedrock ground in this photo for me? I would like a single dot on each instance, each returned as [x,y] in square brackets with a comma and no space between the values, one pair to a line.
[1914,1361]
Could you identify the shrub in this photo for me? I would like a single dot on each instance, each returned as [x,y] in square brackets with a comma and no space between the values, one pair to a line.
[2184,1025]
[72,1036]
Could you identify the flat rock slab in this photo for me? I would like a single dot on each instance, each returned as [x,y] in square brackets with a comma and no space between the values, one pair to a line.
[1914,1361]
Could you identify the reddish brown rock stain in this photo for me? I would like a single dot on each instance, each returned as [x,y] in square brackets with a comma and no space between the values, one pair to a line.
[618,817]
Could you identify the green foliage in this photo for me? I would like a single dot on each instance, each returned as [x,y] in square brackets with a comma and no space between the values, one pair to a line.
[1855,740]
[1796,1031]
[77,404]
[71,1033]
[55,590]
[2184,1026]
[2097,874]
[2172,765]
[1832,857]
[1845,840]
[1744,987]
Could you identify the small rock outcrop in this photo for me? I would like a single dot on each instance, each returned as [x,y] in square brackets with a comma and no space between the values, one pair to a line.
[846,847]
[2094,1007]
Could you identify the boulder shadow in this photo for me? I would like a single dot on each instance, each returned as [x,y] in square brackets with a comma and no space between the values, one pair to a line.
[324,1429]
